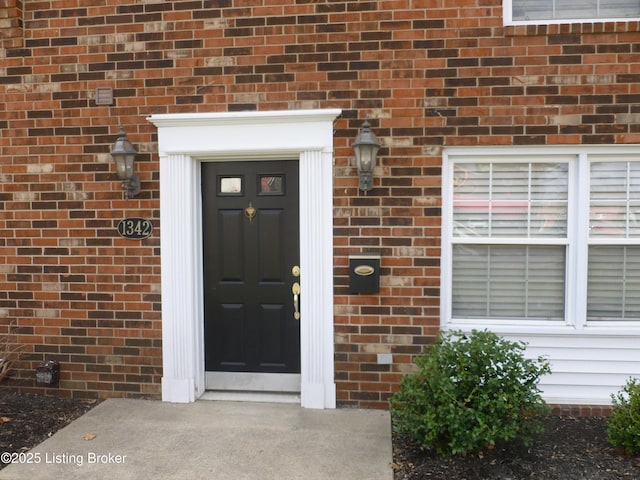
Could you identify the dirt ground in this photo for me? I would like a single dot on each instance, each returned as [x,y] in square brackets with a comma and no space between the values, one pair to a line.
[27,420]
[569,449]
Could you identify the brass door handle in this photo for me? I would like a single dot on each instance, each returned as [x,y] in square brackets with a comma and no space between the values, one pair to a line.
[295,289]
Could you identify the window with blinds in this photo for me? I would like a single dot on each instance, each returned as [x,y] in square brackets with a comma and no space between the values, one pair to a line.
[614,222]
[517,200]
[541,238]
[509,235]
[508,282]
[546,11]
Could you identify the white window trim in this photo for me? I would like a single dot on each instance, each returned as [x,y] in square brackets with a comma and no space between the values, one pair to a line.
[577,251]
[507,15]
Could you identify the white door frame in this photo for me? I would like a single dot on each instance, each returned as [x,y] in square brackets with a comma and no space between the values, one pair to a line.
[185,140]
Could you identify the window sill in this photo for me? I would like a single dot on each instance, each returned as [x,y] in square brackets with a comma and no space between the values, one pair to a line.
[551,329]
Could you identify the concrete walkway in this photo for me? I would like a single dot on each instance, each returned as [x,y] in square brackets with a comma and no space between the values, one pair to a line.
[140,439]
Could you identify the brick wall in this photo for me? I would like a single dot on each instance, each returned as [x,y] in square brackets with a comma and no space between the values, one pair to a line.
[581,410]
[11,33]
[427,73]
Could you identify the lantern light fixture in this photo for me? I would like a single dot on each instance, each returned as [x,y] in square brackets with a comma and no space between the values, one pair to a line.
[366,148]
[124,155]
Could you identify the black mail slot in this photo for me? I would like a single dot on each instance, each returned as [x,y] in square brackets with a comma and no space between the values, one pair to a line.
[364,273]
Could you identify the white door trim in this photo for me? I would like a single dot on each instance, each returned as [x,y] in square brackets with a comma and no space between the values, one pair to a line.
[185,140]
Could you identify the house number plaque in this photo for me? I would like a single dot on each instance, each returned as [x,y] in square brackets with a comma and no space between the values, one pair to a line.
[135,228]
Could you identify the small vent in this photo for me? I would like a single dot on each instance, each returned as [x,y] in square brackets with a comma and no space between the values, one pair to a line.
[104,96]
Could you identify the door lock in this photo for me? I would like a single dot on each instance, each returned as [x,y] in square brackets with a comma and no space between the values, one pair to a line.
[295,271]
[295,289]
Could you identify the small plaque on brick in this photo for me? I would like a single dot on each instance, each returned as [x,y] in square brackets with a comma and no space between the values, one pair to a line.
[135,228]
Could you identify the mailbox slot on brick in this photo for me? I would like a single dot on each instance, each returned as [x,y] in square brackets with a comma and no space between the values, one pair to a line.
[364,273]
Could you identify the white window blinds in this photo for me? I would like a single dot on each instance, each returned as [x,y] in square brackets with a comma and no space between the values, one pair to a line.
[615,200]
[508,282]
[614,283]
[614,221]
[510,200]
[542,238]
[544,10]
[505,215]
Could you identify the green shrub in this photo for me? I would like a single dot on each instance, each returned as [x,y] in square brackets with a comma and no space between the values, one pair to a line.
[470,391]
[624,424]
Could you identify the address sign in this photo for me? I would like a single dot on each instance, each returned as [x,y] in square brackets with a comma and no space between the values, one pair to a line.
[135,228]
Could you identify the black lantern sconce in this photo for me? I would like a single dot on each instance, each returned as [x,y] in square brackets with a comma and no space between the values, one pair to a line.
[48,373]
[124,155]
[366,149]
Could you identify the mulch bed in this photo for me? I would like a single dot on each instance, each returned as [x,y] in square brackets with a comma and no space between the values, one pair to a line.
[27,420]
[569,449]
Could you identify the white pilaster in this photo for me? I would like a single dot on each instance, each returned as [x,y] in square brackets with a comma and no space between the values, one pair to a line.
[180,299]
[316,264]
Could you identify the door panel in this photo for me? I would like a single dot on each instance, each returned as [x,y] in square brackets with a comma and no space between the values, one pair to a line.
[271,258]
[250,243]
[231,325]
[231,256]
[272,325]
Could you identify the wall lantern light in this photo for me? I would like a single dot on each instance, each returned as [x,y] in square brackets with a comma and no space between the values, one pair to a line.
[366,149]
[124,155]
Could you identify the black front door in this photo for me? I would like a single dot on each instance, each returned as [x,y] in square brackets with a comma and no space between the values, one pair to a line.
[251,244]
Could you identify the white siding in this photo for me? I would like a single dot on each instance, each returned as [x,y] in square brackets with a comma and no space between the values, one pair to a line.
[586,369]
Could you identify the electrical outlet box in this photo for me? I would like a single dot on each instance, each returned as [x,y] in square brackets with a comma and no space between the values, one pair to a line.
[385,359]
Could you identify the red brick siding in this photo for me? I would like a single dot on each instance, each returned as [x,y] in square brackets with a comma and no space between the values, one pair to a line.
[11,23]
[427,73]
[581,410]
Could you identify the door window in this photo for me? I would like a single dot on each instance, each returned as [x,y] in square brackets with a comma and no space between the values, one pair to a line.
[230,185]
[271,184]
